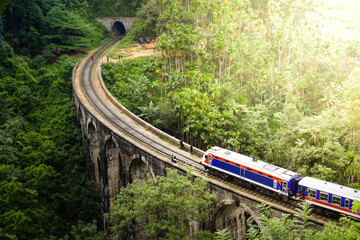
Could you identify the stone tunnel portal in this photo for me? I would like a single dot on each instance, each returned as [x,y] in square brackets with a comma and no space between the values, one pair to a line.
[118,29]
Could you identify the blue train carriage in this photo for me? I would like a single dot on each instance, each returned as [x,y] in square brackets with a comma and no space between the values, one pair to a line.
[328,195]
[260,173]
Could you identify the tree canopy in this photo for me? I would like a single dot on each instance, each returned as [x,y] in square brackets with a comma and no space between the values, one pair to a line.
[50,27]
[44,193]
[160,208]
[299,227]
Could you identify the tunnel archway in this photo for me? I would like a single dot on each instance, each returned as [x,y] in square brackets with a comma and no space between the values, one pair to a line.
[118,29]
[113,167]
[138,170]
[233,217]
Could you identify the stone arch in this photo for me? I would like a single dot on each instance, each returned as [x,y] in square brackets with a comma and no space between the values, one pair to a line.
[113,165]
[91,133]
[139,168]
[88,123]
[118,29]
[80,117]
[233,216]
[94,154]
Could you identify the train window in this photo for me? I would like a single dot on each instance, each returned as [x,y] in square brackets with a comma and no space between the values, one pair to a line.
[336,200]
[312,193]
[270,176]
[260,173]
[237,165]
[248,169]
[347,203]
[324,196]
[226,161]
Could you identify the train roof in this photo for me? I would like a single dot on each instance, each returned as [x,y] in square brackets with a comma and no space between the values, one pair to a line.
[329,187]
[253,163]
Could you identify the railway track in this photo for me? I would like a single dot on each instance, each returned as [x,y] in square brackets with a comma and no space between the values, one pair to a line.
[93,95]
[86,80]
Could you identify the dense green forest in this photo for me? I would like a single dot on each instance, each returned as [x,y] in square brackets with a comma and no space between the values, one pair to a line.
[115,8]
[162,208]
[44,193]
[276,80]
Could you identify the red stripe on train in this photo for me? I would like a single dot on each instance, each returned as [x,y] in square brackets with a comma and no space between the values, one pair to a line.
[331,205]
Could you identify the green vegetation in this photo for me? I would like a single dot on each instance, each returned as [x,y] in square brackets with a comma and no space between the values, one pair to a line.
[51,28]
[299,227]
[161,208]
[136,83]
[128,74]
[115,8]
[276,80]
[44,193]
[43,184]
[269,79]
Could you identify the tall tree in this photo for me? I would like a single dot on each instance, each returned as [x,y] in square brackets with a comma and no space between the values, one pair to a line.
[161,208]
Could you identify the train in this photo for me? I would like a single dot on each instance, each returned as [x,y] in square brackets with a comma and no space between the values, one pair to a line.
[281,181]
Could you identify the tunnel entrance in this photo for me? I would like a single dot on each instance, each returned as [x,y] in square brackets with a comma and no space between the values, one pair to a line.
[118,29]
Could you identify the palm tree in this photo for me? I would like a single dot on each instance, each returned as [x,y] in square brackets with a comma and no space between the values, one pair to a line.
[151,114]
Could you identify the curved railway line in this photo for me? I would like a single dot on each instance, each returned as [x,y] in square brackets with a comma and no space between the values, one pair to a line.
[124,126]
[87,75]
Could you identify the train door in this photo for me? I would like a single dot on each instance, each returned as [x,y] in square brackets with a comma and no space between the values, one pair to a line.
[284,186]
[299,191]
[209,159]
